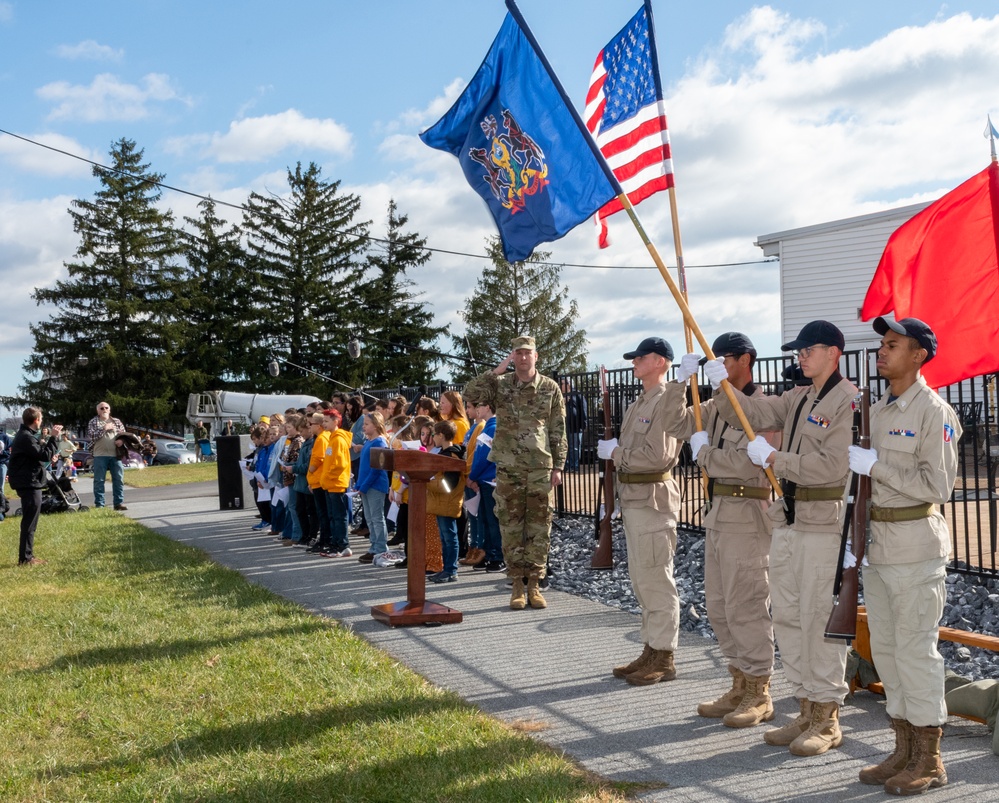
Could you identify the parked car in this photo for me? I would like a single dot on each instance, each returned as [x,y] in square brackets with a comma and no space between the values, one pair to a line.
[171,453]
[83,460]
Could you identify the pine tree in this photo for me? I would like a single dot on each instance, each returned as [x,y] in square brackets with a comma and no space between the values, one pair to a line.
[306,251]
[397,328]
[522,298]
[224,331]
[118,311]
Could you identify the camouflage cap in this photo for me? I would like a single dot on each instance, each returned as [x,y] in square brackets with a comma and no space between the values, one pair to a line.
[524,342]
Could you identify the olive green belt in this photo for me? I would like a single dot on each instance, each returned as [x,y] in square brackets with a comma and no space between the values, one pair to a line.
[661,476]
[910,513]
[818,494]
[740,491]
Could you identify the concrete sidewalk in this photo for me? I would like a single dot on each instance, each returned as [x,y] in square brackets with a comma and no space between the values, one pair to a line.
[553,666]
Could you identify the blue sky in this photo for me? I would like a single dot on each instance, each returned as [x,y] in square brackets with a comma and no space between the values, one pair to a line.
[781,115]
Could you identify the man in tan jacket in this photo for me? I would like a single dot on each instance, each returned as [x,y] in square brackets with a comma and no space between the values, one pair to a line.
[737,536]
[644,457]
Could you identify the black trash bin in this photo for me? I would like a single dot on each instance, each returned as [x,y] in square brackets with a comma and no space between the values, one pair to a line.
[232,489]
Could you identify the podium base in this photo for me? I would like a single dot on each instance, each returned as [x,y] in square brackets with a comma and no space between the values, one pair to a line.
[395,614]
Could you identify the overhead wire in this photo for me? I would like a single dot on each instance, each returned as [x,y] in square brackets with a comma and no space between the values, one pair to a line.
[362,238]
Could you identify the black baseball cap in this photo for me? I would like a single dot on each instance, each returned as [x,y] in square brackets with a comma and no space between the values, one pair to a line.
[817,333]
[910,327]
[731,343]
[652,345]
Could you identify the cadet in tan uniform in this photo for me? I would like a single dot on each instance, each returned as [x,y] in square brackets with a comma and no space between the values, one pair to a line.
[644,457]
[529,451]
[737,537]
[817,424]
[912,463]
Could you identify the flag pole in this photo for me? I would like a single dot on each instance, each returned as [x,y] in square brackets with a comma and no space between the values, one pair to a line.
[991,133]
[622,196]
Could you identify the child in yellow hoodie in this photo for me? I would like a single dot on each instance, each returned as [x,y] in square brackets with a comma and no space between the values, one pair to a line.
[335,481]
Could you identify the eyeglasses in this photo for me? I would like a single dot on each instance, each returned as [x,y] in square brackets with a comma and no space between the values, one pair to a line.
[806,352]
[103,407]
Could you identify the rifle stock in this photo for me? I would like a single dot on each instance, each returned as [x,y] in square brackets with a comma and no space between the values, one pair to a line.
[842,622]
[603,555]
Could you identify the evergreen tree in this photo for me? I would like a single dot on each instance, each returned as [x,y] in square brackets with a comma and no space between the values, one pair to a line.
[306,251]
[397,328]
[224,331]
[118,311]
[522,298]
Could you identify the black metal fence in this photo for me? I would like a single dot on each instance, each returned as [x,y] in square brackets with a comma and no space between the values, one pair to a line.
[971,511]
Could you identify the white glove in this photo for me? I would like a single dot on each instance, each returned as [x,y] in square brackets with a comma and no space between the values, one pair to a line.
[849,559]
[605,449]
[715,371]
[862,460]
[697,441]
[759,450]
[689,366]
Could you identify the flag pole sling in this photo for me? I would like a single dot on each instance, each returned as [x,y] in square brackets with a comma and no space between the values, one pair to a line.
[622,196]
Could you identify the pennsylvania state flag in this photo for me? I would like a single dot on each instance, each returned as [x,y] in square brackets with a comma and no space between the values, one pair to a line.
[521,149]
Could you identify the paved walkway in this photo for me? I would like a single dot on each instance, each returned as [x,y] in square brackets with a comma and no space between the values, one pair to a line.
[553,667]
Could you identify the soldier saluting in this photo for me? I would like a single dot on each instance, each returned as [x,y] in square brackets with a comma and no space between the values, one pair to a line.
[529,450]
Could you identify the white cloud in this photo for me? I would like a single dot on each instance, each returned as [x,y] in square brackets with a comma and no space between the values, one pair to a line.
[31,158]
[89,50]
[255,139]
[109,98]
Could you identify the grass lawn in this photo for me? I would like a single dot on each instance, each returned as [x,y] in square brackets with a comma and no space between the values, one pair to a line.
[135,669]
[155,476]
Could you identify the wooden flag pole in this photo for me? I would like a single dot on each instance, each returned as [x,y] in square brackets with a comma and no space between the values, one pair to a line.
[691,325]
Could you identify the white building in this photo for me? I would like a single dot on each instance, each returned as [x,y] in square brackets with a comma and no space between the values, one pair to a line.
[825,271]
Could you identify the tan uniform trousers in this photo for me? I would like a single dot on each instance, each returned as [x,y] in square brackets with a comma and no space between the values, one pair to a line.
[651,538]
[737,592]
[904,606]
[802,572]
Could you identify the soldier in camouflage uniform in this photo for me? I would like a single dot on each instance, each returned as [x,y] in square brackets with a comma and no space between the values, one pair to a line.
[529,450]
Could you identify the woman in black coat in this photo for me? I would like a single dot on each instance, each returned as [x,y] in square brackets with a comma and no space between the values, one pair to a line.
[29,456]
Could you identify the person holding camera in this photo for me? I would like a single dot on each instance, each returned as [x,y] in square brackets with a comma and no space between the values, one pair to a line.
[102,432]
[29,455]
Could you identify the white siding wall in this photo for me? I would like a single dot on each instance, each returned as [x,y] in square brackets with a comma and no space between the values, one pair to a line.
[825,271]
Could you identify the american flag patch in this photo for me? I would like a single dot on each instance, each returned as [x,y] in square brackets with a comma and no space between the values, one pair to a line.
[908,433]
[645,420]
[819,420]
[948,433]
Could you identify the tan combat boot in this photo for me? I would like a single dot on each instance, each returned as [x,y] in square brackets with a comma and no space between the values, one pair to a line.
[634,666]
[823,733]
[729,701]
[925,770]
[755,706]
[879,774]
[534,594]
[659,667]
[782,737]
[474,556]
[518,598]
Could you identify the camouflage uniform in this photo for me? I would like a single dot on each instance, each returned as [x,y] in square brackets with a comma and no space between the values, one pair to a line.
[530,441]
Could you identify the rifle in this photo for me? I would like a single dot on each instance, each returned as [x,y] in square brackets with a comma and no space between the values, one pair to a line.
[603,555]
[842,622]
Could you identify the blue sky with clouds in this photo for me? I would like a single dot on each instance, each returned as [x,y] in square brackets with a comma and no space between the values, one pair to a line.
[781,115]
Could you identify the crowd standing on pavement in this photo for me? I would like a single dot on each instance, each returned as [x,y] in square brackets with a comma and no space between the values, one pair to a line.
[769,563]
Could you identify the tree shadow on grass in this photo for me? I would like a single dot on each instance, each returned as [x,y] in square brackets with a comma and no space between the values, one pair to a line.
[424,772]
[155,651]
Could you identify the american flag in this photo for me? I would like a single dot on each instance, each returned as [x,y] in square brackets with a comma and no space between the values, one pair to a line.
[626,116]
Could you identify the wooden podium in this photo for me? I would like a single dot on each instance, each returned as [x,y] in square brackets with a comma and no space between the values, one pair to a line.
[419,467]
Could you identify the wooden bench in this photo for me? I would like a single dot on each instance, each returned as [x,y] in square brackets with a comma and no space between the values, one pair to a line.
[862,644]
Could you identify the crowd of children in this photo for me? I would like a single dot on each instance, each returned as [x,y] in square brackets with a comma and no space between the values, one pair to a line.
[311,475]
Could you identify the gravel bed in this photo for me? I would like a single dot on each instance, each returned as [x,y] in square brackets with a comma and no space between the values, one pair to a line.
[972,603]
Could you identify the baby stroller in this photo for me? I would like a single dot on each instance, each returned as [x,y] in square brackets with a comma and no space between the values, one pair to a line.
[58,495]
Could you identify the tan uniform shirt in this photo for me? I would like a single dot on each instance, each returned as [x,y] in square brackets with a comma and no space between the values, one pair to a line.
[645,447]
[817,456]
[916,438]
[724,459]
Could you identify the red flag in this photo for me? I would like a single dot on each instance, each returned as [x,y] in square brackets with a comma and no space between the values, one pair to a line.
[942,267]
[625,113]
